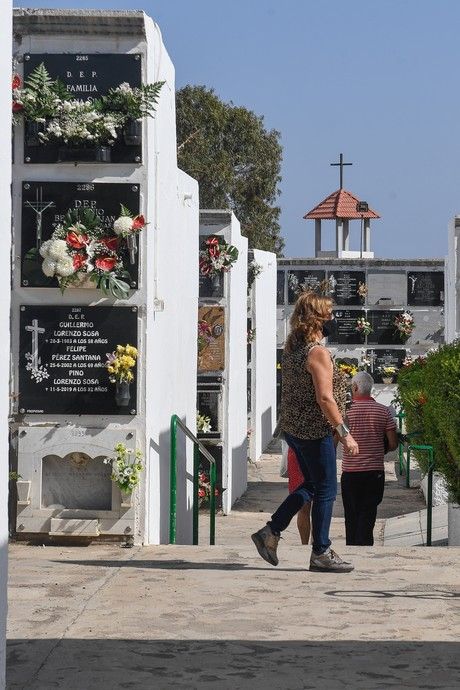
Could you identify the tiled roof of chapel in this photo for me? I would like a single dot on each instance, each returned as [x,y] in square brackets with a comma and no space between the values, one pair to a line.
[339,204]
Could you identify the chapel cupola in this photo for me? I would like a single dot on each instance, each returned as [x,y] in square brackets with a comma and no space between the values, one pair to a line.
[343,206]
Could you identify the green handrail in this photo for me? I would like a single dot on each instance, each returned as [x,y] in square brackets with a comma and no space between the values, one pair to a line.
[198,448]
[400,417]
[429,508]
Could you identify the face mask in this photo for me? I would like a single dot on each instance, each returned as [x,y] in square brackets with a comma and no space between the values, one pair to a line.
[328,328]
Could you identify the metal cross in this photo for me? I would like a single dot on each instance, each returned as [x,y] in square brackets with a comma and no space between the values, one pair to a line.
[39,206]
[341,164]
[35,330]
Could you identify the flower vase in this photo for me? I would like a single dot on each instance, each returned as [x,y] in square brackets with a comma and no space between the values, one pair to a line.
[132,133]
[387,379]
[84,281]
[84,154]
[122,394]
[216,285]
[32,131]
[23,491]
[126,499]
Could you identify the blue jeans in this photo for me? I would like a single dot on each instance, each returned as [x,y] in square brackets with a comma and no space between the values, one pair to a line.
[317,460]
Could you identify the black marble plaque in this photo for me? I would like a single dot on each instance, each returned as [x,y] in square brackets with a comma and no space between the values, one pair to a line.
[425,288]
[303,281]
[383,329]
[62,358]
[211,287]
[280,280]
[86,77]
[343,328]
[344,286]
[44,205]
[384,358]
[208,404]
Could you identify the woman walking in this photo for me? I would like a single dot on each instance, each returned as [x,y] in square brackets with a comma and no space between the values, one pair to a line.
[312,409]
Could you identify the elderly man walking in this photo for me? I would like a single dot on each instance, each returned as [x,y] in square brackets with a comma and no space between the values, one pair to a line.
[363,475]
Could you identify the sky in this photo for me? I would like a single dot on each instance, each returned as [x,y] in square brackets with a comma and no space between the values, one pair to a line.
[377,80]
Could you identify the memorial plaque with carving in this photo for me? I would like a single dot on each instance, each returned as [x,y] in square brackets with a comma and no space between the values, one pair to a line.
[344,286]
[62,358]
[384,358]
[280,280]
[425,288]
[383,329]
[86,77]
[76,481]
[343,328]
[303,281]
[44,206]
[211,350]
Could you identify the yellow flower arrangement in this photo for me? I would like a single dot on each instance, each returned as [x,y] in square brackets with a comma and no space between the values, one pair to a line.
[120,363]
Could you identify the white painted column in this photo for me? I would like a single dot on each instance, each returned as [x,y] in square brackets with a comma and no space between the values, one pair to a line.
[452,282]
[367,235]
[317,236]
[339,236]
[5,205]
[346,235]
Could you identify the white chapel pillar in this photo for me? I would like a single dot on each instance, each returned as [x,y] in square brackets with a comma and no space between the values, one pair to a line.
[339,237]
[367,234]
[346,235]
[317,236]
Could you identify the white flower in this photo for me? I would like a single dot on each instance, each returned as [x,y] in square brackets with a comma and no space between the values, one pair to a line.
[44,249]
[128,472]
[123,225]
[57,250]
[64,267]
[49,268]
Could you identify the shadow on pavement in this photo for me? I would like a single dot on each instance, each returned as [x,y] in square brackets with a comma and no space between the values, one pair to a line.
[177,564]
[94,664]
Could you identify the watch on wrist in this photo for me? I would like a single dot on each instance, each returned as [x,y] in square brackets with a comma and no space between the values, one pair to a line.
[342,430]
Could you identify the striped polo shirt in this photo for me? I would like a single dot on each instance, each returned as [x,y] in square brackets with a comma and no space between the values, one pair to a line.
[368,421]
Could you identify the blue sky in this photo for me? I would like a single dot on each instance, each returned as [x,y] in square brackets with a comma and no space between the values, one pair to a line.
[375,79]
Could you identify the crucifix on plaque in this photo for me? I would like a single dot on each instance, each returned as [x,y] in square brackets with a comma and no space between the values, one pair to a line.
[341,165]
[39,206]
[35,330]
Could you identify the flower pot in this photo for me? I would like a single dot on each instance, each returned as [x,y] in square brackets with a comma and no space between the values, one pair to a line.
[387,379]
[122,394]
[126,499]
[23,491]
[84,281]
[132,133]
[217,282]
[84,154]
[32,131]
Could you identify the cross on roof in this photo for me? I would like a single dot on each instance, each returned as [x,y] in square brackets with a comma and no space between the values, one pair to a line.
[341,164]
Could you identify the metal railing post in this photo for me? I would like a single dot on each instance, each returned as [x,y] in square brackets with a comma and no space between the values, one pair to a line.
[212,504]
[196,467]
[173,482]
[400,416]
[429,508]
[409,447]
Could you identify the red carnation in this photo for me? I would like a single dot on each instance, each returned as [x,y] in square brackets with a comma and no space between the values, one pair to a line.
[138,222]
[79,261]
[16,83]
[76,240]
[106,263]
[17,107]
[110,242]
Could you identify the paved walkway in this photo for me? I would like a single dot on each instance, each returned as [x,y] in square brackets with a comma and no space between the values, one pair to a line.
[104,617]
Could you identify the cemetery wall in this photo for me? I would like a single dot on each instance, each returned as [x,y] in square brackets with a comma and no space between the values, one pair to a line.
[160,314]
[263,355]
[393,286]
[5,205]
[452,313]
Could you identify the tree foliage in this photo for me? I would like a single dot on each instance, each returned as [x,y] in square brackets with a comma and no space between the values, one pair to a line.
[235,160]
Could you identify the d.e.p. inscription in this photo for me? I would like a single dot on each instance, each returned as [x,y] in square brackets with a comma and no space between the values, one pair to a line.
[62,355]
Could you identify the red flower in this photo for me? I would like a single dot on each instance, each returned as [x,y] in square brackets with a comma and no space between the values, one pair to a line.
[105,263]
[110,242]
[77,240]
[201,493]
[212,242]
[138,222]
[17,107]
[16,83]
[79,261]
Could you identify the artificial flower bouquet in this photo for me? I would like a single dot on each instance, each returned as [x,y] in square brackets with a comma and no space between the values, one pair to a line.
[363,326]
[120,363]
[203,423]
[126,467]
[83,248]
[404,324]
[348,370]
[217,256]
[204,488]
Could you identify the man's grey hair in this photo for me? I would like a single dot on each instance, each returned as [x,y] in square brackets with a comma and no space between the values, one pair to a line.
[363,381]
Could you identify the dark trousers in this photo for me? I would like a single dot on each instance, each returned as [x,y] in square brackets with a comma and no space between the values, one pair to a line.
[361,494]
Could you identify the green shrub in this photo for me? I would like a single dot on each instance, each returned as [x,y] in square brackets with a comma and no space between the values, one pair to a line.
[430,393]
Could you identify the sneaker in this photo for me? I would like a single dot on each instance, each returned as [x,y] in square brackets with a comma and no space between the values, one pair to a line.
[329,561]
[266,544]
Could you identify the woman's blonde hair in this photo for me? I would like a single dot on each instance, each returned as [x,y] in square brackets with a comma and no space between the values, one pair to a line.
[310,312]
